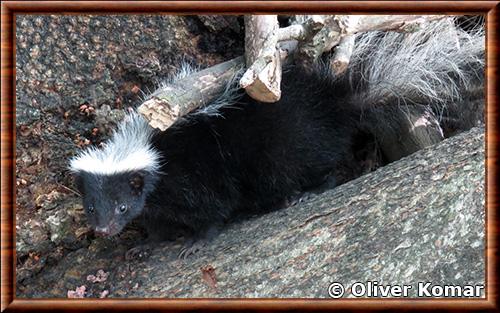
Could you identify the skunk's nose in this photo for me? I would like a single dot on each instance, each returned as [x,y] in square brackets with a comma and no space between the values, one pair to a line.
[103,231]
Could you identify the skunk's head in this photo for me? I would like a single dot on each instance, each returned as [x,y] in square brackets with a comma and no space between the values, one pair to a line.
[111,201]
[115,181]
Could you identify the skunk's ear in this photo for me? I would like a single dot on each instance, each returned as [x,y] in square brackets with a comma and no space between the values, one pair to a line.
[136,183]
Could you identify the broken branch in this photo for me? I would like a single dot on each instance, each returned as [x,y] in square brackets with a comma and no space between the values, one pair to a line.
[263,77]
[340,60]
[183,96]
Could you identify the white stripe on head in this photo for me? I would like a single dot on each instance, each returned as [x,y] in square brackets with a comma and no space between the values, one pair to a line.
[129,149]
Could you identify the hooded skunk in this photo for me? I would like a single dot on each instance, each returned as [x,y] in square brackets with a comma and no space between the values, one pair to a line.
[251,157]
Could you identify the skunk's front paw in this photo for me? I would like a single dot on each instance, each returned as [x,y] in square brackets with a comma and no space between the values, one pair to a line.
[296,199]
[138,252]
[198,241]
[191,247]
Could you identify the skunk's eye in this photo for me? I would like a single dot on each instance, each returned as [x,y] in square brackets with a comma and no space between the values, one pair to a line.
[122,208]
[90,209]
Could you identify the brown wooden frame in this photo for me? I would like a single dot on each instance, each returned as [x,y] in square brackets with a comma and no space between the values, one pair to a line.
[10,8]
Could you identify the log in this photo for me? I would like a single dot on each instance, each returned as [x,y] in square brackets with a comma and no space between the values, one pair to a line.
[172,102]
[400,23]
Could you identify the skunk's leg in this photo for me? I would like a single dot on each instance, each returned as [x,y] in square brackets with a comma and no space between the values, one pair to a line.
[198,241]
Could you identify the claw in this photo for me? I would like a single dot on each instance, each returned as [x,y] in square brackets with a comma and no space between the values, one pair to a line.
[296,199]
[198,242]
[190,248]
[137,252]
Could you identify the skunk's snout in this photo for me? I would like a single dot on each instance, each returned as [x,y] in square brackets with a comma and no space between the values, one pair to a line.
[108,230]
[103,231]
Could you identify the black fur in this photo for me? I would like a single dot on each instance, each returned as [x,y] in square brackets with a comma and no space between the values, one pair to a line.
[253,157]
